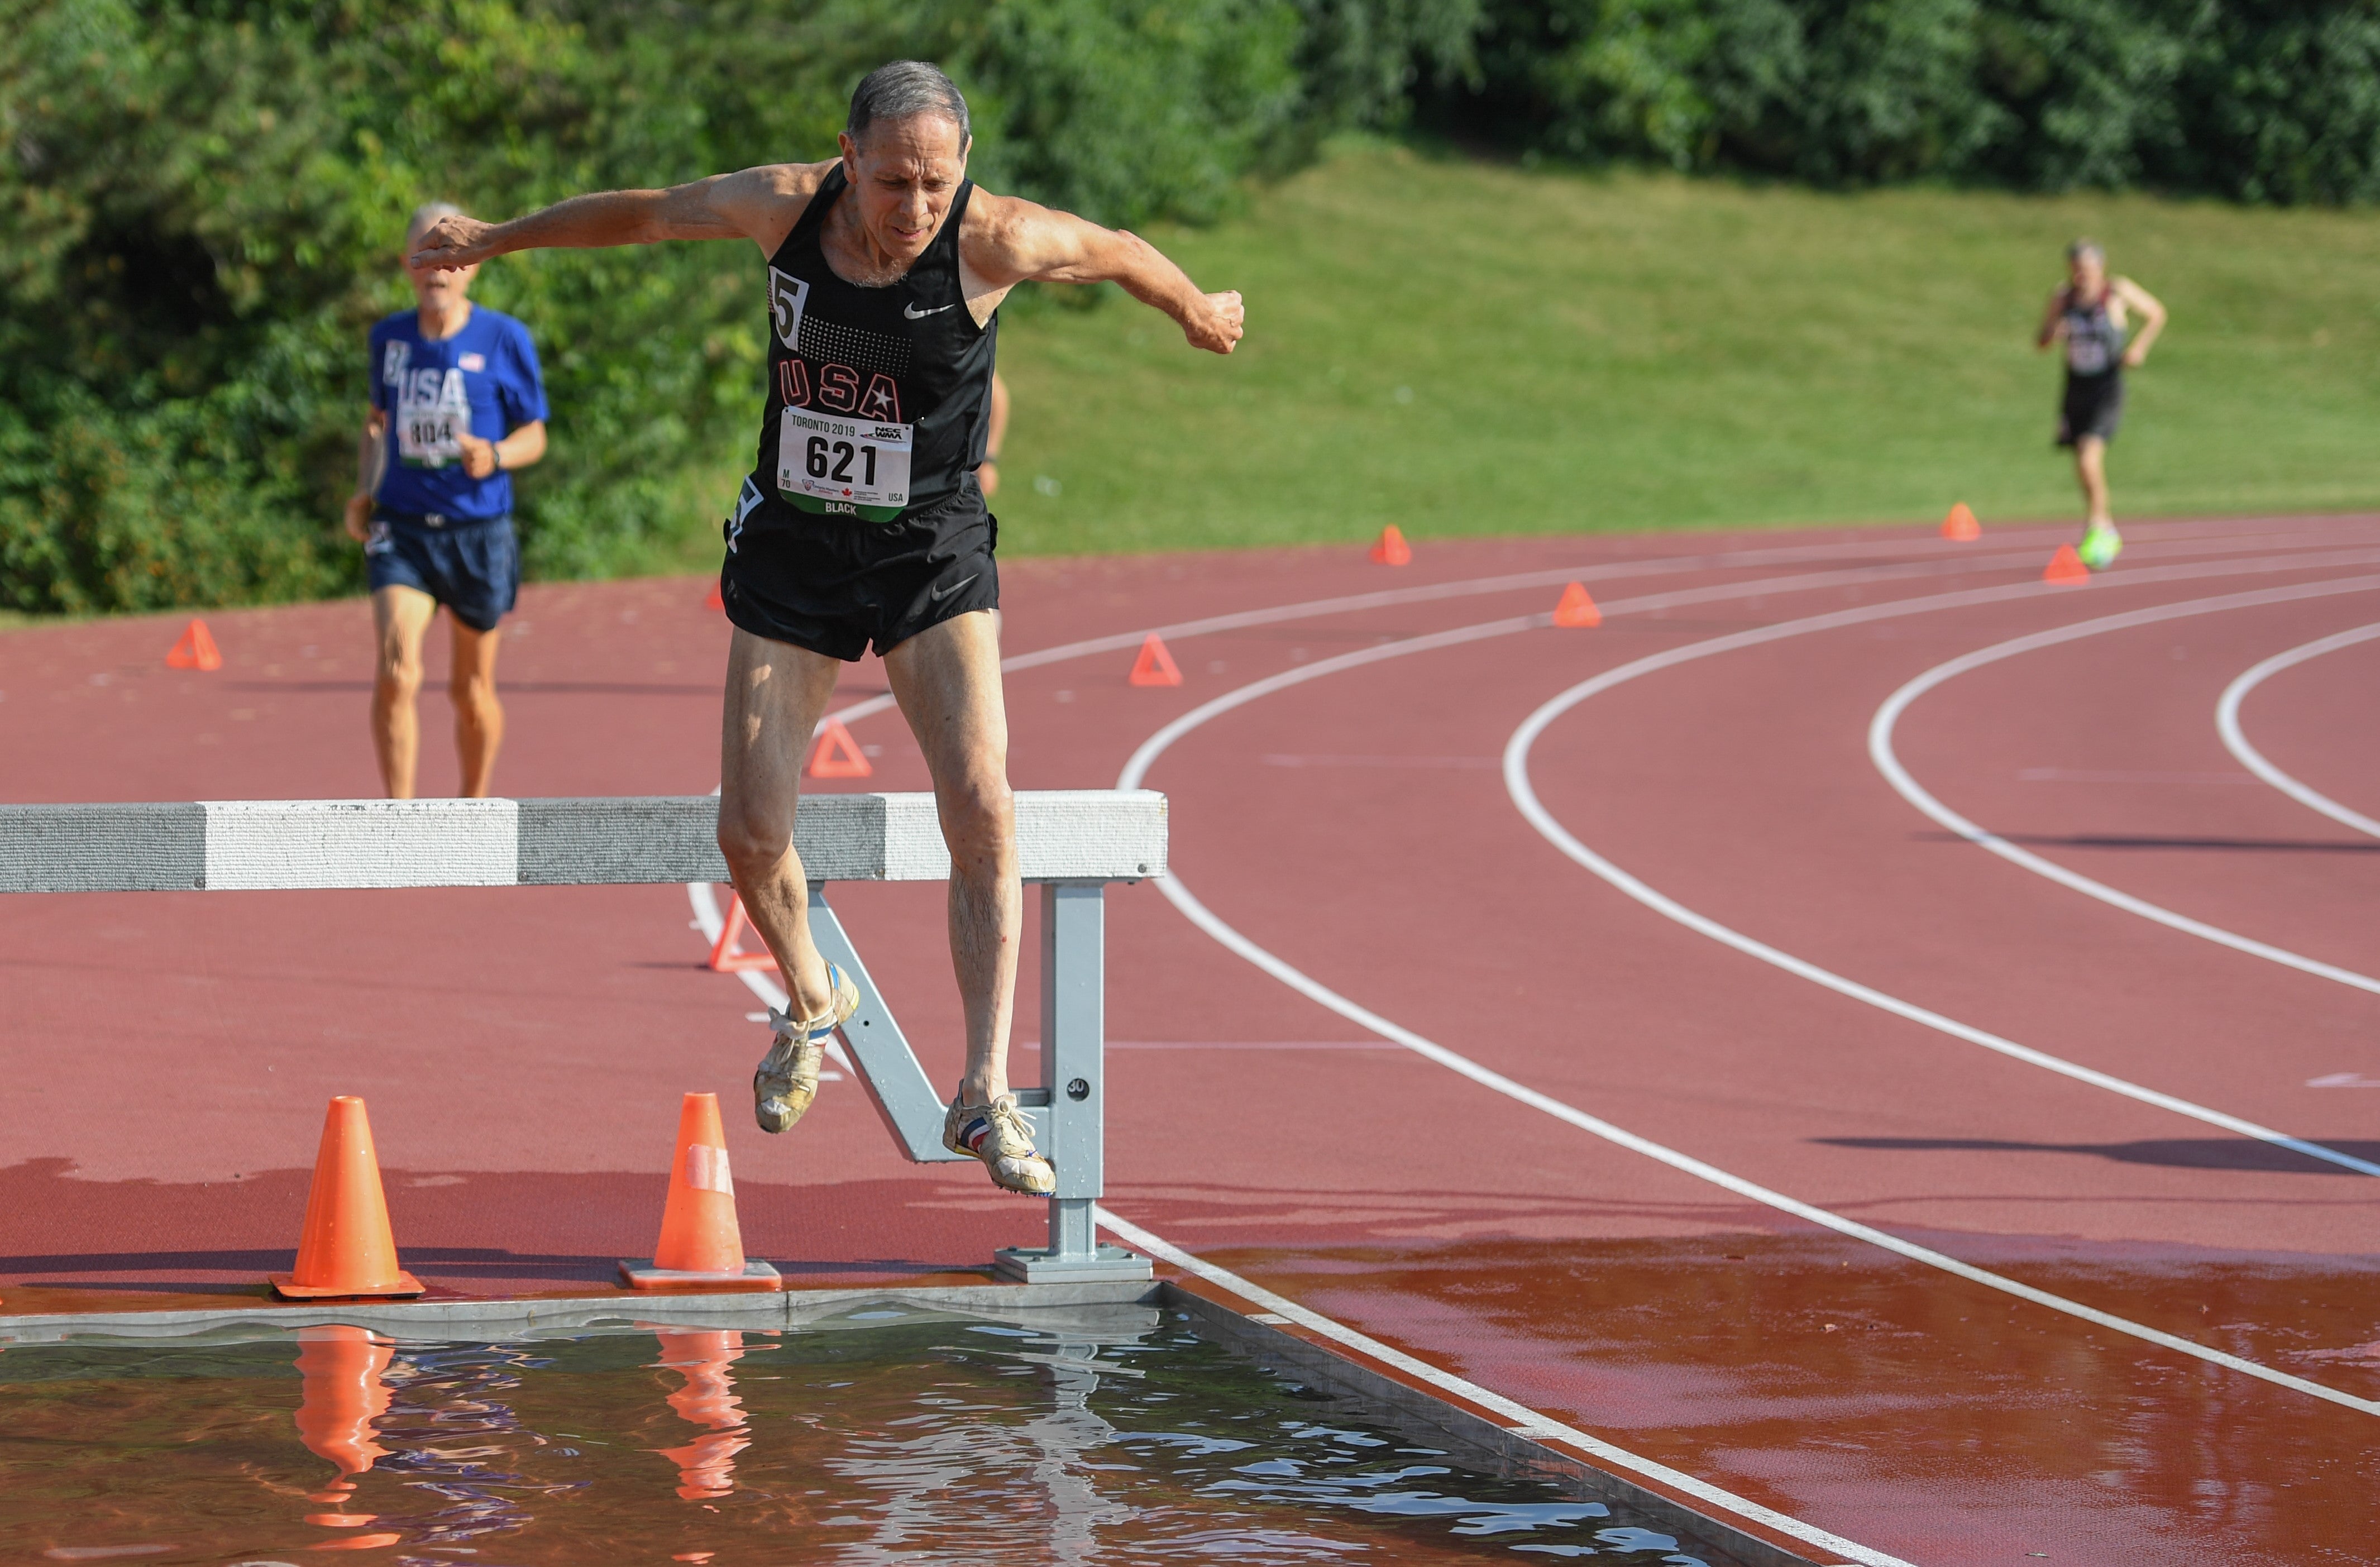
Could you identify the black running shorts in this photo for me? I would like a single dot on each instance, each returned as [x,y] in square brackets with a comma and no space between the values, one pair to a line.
[2094,404]
[836,584]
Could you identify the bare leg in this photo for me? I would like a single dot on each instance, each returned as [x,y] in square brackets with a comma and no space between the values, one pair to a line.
[2091,468]
[775,696]
[400,616]
[478,717]
[947,681]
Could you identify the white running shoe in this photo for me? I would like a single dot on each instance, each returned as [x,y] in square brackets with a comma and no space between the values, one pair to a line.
[787,1078]
[998,1134]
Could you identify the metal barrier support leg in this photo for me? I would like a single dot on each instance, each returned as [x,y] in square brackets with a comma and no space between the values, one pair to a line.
[1074,965]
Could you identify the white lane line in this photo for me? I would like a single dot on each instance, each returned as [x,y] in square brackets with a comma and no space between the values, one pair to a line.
[1517,783]
[1529,1422]
[1537,1425]
[2191,538]
[1199,915]
[1880,751]
[1714,593]
[1176,890]
[2235,739]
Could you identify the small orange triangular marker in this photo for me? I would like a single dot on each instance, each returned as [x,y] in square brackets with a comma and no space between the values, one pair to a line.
[701,1246]
[195,650]
[838,755]
[1960,525]
[344,1248]
[1392,550]
[2066,567]
[1154,666]
[726,957]
[1576,608]
[715,601]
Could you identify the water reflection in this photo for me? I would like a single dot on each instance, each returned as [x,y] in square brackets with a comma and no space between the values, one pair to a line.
[706,1466]
[340,1371]
[1113,1436]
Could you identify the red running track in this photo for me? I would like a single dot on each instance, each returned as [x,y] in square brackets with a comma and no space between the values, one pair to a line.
[523,1049]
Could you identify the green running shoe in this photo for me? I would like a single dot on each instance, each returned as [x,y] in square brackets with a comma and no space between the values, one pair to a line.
[2099,548]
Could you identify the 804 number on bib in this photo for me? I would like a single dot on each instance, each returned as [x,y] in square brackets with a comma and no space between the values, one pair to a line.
[857,462]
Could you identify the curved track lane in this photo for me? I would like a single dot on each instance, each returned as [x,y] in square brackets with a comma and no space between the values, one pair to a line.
[1880,751]
[2235,737]
[1449,641]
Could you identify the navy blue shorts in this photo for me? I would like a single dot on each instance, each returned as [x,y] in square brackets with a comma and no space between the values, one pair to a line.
[471,565]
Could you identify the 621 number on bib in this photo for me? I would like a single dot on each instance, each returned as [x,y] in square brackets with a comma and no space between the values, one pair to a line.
[857,462]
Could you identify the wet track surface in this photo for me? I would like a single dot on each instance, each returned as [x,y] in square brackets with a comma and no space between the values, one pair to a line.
[1360,828]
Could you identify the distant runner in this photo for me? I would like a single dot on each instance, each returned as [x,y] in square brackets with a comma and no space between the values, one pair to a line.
[457,402]
[2087,315]
[863,522]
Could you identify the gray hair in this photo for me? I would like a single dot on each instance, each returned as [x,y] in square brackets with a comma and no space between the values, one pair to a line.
[2090,247]
[429,212]
[902,90]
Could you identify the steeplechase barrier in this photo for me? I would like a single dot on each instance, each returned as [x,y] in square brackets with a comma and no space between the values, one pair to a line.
[1072,843]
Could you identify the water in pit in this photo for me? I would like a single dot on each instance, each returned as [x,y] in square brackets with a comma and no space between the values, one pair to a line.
[889,1434]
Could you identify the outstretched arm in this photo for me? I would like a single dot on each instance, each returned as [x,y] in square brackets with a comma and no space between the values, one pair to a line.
[1007,241]
[760,204]
[2053,319]
[2152,317]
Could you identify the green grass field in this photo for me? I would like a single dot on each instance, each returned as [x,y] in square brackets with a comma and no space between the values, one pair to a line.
[1462,347]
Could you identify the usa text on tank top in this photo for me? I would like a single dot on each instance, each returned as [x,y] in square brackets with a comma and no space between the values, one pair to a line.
[2094,342]
[878,398]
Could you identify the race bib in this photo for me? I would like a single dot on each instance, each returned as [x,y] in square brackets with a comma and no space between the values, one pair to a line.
[845,462]
[433,414]
[429,435]
[2087,355]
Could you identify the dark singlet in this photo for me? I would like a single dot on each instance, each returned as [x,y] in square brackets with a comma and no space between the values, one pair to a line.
[2094,344]
[880,399]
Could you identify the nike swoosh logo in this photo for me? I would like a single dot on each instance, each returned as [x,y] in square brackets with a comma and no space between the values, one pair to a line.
[938,594]
[913,313]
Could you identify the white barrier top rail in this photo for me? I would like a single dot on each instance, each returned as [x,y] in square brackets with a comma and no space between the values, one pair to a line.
[1062,835]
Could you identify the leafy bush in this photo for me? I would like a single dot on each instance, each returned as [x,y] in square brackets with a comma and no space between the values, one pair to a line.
[203,202]
[200,200]
[2259,100]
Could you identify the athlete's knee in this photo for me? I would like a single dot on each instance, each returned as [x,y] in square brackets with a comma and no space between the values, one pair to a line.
[753,837]
[979,814]
[400,672]
[472,692]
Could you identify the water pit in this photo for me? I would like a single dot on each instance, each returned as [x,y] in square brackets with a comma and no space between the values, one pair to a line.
[888,1433]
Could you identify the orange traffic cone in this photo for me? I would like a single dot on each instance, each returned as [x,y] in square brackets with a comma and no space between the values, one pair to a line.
[1576,609]
[715,601]
[700,1246]
[1960,525]
[1392,550]
[727,955]
[196,649]
[346,1248]
[1154,666]
[341,1367]
[2066,567]
[706,1466]
[838,755]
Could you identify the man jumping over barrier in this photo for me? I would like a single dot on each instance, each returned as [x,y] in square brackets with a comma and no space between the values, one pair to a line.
[2087,315]
[863,522]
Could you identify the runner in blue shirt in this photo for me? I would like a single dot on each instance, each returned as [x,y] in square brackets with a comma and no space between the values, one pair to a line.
[456,404]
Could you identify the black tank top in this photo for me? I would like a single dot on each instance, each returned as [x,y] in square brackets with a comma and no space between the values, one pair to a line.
[2094,344]
[880,399]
